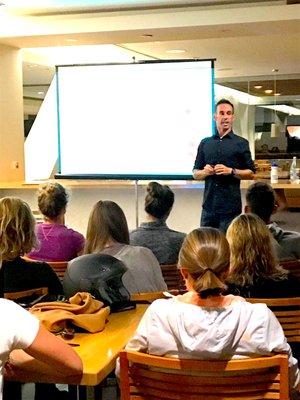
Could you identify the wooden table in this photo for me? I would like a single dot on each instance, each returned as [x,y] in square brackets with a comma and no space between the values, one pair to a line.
[99,351]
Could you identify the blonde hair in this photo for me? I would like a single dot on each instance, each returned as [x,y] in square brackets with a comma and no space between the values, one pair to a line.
[17,236]
[252,251]
[107,221]
[205,255]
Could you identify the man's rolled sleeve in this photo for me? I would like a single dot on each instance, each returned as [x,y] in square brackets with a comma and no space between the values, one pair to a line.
[200,159]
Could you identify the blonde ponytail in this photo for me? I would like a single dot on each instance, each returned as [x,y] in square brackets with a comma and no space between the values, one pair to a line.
[205,255]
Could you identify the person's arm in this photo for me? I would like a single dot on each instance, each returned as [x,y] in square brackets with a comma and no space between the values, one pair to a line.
[47,359]
[201,174]
[139,341]
[247,168]
[221,169]
[201,170]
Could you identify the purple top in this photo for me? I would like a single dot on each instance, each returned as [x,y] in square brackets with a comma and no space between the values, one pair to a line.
[56,243]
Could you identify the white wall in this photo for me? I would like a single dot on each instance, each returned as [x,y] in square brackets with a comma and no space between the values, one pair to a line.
[185,215]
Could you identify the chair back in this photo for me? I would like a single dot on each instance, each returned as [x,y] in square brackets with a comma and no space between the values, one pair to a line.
[148,377]
[147,297]
[293,266]
[27,298]
[287,311]
[59,268]
[172,277]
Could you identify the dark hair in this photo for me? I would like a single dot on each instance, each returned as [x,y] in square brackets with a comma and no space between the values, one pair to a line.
[159,200]
[224,101]
[260,197]
[107,221]
[52,199]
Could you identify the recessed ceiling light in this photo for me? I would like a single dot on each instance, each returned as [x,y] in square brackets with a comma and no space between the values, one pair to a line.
[257,86]
[176,51]
[277,94]
[268,91]
[41,92]
[70,40]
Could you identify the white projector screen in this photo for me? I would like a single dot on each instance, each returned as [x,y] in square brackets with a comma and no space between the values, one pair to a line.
[133,121]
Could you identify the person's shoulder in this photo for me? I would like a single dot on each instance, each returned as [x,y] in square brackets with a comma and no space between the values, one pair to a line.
[177,234]
[206,139]
[239,138]
[139,250]
[73,233]
[163,306]
[136,232]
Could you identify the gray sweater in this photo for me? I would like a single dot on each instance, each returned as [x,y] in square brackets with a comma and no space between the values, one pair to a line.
[161,240]
[288,242]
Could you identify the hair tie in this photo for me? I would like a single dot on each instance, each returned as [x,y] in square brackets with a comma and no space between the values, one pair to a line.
[206,270]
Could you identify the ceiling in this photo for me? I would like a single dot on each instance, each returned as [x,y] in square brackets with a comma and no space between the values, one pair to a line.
[247,38]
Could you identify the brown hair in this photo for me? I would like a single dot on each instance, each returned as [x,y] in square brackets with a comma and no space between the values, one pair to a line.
[52,199]
[17,225]
[159,200]
[252,251]
[107,221]
[205,255]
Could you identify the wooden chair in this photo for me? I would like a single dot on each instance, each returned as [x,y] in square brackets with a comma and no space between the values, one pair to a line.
[148,377]
[59,268]
[293,266]
[27,298]
[287,311]
[147,297]
[172,277]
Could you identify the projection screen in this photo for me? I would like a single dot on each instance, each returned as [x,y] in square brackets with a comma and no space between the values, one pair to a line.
[133,121]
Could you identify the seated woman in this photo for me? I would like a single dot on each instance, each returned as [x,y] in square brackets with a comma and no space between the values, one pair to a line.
[107,233]
[254,270]
[18,238]
[47,356]
[204,323]
[56,241]
[164,242]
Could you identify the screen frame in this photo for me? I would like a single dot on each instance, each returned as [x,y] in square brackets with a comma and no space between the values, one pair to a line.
[137,176]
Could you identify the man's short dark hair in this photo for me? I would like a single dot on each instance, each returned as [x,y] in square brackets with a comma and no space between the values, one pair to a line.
[260,197]
[224,101]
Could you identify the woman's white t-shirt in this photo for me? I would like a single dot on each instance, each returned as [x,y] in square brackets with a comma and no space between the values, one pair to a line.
[18,330]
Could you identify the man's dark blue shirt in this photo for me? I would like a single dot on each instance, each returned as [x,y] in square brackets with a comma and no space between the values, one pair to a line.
[222,192]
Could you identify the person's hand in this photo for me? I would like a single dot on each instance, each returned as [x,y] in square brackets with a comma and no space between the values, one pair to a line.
[209,170]
[221,169]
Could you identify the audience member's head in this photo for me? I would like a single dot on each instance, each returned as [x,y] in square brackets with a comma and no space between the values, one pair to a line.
[159,200]
[52,200]
[251,251]
[17,225]
[107,224]
[204,261]
[260,200]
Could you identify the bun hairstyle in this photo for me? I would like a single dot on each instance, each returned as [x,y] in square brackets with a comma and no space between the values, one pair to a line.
[17,225]
[52,200]
[159,200]
[205,255]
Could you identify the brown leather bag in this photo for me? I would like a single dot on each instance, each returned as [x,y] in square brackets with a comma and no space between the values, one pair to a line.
[82,311]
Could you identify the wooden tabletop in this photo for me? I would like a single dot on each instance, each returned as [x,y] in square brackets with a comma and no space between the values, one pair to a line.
[99,351]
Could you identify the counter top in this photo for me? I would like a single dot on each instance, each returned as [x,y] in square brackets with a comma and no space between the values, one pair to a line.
[282,184]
